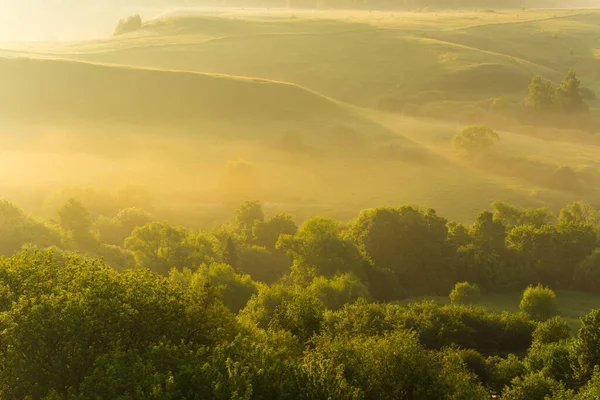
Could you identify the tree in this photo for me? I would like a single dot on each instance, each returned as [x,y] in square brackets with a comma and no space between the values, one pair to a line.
[74,217]
[266,233]
[569,93]
[579,212]
[129,24]
[318,248]
[552,330]
[465,293]
[410,242]
[247,216]
[511,216]
[587,273]
[475,138]
[488,234]
[159,247]
[586,348]
[230,254]
[539,302]
[541,96]
[534,386]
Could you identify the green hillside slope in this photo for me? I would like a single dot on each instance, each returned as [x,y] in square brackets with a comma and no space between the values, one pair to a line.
[362,57]
[58,90]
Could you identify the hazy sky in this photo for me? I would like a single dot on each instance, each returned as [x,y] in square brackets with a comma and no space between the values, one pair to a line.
[60,20]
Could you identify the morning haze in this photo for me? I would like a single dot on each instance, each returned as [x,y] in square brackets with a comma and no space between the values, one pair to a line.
[324,199]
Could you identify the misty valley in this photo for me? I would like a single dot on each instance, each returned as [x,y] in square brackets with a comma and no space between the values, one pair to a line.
[300,200]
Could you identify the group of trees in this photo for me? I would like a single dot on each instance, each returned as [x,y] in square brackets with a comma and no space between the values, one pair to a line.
[568,97]
[128,24]
[263,308]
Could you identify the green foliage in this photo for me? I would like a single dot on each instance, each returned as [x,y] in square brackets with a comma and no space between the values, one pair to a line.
[568,97]
[552,330]
[475,138]
[511,216]
[343,289]
[319,248]
[586,347]
[409,242]
[587,273]
[579,212]
[261,264]
[75,219]
[503,371]
[539,302]
[465,293]
[67,314]
[302,315]
[467,327]
[541,96]
[129,24]
[551,360]
[551,253]
[248,215]
[18,229]
[234,290]
[160,247]
[115,230]
[488,234]
[534,386]
[267,233]
[395,366]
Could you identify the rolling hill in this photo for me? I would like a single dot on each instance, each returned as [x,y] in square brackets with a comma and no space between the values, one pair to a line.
[303,88]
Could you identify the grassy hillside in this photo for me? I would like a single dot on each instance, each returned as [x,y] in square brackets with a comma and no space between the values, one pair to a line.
[360,57]
[61,90]
[305,83]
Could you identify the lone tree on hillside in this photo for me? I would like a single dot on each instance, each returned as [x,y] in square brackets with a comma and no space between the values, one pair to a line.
[475,138]
[539,302]
[129,24]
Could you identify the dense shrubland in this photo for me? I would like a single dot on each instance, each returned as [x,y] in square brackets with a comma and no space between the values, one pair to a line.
[263,308]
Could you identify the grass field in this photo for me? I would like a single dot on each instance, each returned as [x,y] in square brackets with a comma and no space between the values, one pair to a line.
[571,305]
[294,92]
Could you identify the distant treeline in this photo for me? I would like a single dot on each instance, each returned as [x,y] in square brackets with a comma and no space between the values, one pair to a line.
[486,5]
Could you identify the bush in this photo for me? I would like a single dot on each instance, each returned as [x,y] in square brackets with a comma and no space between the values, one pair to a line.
[475,138]
[129,24]
[465,293]
[539,302]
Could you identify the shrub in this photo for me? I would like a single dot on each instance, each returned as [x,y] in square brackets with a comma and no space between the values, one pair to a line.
[465,293]
[539,302]
[475,138]
[129,24]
